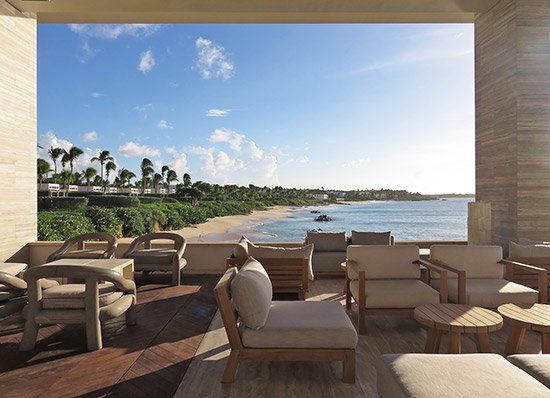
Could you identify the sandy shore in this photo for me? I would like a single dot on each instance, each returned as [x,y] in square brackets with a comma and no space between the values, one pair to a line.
[231,228]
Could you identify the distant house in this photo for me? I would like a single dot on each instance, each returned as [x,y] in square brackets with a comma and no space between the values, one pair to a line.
[320,196]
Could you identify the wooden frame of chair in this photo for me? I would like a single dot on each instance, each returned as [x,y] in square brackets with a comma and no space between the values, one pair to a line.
[287,275]
[240,353]
[363,312]
[525,277]
[508,266]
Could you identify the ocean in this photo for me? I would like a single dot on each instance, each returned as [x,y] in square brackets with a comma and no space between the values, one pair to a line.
[418,220]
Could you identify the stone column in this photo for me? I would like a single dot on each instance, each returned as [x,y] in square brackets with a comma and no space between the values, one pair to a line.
[512,89]
[17,129]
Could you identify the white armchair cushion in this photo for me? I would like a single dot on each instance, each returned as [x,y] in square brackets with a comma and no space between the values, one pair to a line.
[397,293]
[490,293]
[477,261]
[386,262]
[252,293]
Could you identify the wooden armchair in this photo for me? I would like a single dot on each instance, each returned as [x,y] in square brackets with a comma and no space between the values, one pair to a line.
[385,280]
[479,276]
[147,259]
[90,303]
[292,331]
[81,252]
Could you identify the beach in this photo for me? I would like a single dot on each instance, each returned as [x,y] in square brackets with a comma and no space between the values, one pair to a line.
[231,228]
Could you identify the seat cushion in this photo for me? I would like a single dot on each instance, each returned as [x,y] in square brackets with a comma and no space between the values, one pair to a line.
[72,296]
[252,293]
[6,292]
[386,262]
[477,261]
[303,324]
[396,293]
[456,376]
[537,365]
[327,241]
[370,238]
[91,253]
[327,261]
[490,293]
[153,256]
[283,252]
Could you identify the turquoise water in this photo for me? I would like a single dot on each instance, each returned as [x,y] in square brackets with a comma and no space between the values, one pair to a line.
[424,220]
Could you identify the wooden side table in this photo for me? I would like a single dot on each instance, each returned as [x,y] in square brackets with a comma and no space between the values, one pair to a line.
[535,317]
[456,319]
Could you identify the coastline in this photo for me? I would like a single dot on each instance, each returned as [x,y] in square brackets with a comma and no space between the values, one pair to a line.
[231,228]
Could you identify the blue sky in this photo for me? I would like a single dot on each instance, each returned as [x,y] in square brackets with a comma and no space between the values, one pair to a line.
[339,106]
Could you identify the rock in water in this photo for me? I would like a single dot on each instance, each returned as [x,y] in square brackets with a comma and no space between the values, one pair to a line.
[323,218]
[315,212]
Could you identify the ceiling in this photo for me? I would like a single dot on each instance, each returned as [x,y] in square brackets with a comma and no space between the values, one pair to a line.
[253,11]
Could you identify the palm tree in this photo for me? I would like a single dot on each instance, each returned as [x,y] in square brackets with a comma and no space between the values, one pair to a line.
[66,178]
[104,157]
[71,156]
[146,170]
[89,175]
[109,166]
[164,170]
[125,175]
[157,179]
[186,180]
[171,176]
[55,153]
[42,169]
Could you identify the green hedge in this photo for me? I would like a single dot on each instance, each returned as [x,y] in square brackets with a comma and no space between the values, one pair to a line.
[110,201]
[67,203]
[61,225]
[105,220]
[144,200]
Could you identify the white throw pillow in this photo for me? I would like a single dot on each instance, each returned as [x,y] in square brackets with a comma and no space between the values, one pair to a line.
[252,293]
[240,251]
[283,252]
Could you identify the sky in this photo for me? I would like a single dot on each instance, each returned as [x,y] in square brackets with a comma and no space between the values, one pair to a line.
[339,106]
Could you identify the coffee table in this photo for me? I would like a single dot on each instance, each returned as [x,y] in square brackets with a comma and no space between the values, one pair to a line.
[456,319]
[124,267]
[520,318]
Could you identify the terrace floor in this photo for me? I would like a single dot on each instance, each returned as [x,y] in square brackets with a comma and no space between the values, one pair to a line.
[179,348]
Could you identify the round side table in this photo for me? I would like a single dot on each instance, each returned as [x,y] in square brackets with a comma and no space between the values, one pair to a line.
[520,318]
[456,319]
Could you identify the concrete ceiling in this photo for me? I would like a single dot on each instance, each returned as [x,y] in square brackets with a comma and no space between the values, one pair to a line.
[253,11]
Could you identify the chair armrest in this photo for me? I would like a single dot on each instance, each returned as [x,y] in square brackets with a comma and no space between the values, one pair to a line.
[62,249]
[443,279]
[133,246]
[356,268]
[360,271]
[461,278]
[13,282]
[542,276]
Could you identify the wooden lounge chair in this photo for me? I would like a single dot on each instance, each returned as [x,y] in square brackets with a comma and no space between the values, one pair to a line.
[385,280]
[290,331]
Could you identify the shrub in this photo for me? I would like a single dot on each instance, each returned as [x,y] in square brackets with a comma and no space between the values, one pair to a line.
[167,216]
[62,225]
[68,203]
[105,220]
[169,200]
[132,221]
[113,201]
[149,199]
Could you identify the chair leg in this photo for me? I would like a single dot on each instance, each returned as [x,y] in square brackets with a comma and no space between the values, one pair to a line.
[348,367]
[361,320]
[93,335]
[231,367]
[176,277]
[348,298]
[29,335]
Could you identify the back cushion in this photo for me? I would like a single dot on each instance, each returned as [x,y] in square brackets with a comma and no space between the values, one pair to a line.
[370,238]
[327,241]
[526,251]
[252,293]
[283,252]
[527,242]
[386,262]
[477,261]
[240,250]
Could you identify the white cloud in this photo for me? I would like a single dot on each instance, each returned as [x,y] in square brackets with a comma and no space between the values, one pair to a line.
[355,163]
[253,151]
[163,124]
[111,31]
[146,61]
[170,150]
[234,139]
[304,159]
[144,110]
[95,94]
[87,52]
[179,164]
[131,149]
[218,112]
[212,61]
[90,136]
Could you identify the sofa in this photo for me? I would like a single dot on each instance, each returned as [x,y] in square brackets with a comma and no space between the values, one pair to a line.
[329,248]
[463,375]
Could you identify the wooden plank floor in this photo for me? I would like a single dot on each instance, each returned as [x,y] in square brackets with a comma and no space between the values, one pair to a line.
[149,359]
[318,379]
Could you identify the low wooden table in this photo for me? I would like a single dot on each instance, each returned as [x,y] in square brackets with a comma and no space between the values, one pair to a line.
[456,319]
[124,266]
[536,318]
